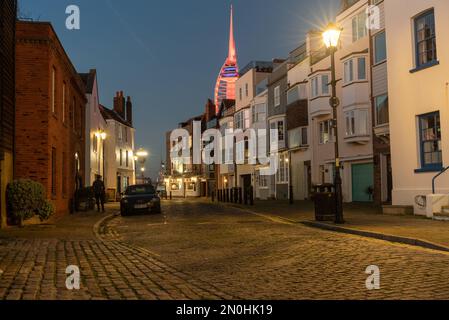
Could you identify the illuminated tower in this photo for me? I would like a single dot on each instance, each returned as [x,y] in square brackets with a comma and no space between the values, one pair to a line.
[229,73]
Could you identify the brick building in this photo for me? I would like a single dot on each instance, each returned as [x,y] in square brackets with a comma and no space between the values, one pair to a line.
[8,10]
[50,114]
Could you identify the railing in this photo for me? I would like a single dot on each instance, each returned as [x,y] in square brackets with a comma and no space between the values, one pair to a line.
[436,177]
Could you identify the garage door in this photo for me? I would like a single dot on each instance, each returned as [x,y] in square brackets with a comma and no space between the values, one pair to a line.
[362,182]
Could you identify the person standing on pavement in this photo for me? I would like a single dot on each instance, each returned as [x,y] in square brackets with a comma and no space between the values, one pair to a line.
[100,193]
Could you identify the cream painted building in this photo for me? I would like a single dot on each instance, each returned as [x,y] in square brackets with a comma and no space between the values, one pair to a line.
[418,79]
[119,146]
[95,130]
[246,90]
[354,112]
[298,124]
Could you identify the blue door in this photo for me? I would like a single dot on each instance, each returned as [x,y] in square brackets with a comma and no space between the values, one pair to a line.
[362,182]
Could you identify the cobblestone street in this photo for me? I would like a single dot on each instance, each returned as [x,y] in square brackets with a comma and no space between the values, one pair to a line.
[196,250]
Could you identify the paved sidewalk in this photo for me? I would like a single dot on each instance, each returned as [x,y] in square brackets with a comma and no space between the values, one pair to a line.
[364,219]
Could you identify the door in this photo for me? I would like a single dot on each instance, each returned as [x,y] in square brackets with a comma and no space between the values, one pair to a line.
[362,182]
[246,181]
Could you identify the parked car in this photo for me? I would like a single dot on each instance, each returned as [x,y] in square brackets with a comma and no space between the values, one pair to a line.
[140,199]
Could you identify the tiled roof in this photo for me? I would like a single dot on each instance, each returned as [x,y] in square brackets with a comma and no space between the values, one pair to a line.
[89,80]
[109,114]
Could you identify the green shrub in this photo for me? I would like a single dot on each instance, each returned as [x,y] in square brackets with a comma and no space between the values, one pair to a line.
[46,210]
[26,198]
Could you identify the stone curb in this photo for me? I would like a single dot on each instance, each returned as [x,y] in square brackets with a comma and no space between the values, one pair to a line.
[101,224]
[380,236]
[362,233]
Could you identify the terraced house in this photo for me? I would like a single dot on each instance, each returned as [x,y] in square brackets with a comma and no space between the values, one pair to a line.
[354,112]
[418,82]
[50,115]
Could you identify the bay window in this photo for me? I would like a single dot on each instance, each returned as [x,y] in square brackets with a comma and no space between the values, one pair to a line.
[356,123]
[355,70]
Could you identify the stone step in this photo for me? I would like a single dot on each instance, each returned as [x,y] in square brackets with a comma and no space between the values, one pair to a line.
[443,215]
[397,210]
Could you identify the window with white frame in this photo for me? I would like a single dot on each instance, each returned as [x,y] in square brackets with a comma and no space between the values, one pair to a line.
[297,92]
[349,71]
[277,96]
[325,84]
[320,85]
[355,70]
[263,181]
[359,29]
[120,132]
[350,123]
[277,126]
[326,132]
[259,113]
[238,119]
[95,143]
[356,123]
[298,137]
[282,176]
[240,151]
[314,87]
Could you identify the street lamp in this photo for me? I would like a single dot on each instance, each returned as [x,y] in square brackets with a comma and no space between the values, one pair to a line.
[331,38]
[141,157]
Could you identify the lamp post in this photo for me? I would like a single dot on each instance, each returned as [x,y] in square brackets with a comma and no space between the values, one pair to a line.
[102,136]
[331,38]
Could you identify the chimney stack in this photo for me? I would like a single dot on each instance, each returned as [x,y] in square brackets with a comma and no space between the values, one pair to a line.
[119,104]
[129,111]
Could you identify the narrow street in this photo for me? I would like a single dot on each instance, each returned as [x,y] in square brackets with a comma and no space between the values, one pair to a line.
[196,250]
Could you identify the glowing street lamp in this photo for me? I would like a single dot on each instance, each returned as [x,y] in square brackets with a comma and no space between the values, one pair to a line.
[141,156]
[331,38]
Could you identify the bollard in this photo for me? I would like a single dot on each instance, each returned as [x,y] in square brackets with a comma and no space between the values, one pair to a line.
[231,195]
[291,199]
[171,195]
[240,191]
[213,196]
[245,196]
[251,196]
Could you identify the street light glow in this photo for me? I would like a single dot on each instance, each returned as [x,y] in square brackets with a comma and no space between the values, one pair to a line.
[331,36]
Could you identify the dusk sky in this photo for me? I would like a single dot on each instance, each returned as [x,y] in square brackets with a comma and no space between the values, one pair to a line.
[166,54]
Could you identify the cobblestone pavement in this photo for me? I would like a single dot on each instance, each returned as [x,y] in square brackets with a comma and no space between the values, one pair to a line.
[35,269]
[196,250]
[257,258]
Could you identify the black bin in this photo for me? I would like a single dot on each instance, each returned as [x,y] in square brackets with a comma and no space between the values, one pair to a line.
[324,199]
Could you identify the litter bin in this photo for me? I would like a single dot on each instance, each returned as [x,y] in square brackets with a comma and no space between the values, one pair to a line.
[324,199]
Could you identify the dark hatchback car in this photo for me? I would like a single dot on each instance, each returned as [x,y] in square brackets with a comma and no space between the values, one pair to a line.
[140,199]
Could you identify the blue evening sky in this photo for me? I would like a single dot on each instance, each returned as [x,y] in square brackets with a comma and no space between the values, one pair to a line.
[166,54]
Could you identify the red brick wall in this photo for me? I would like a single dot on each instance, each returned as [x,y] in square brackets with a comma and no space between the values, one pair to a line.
[38,129]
